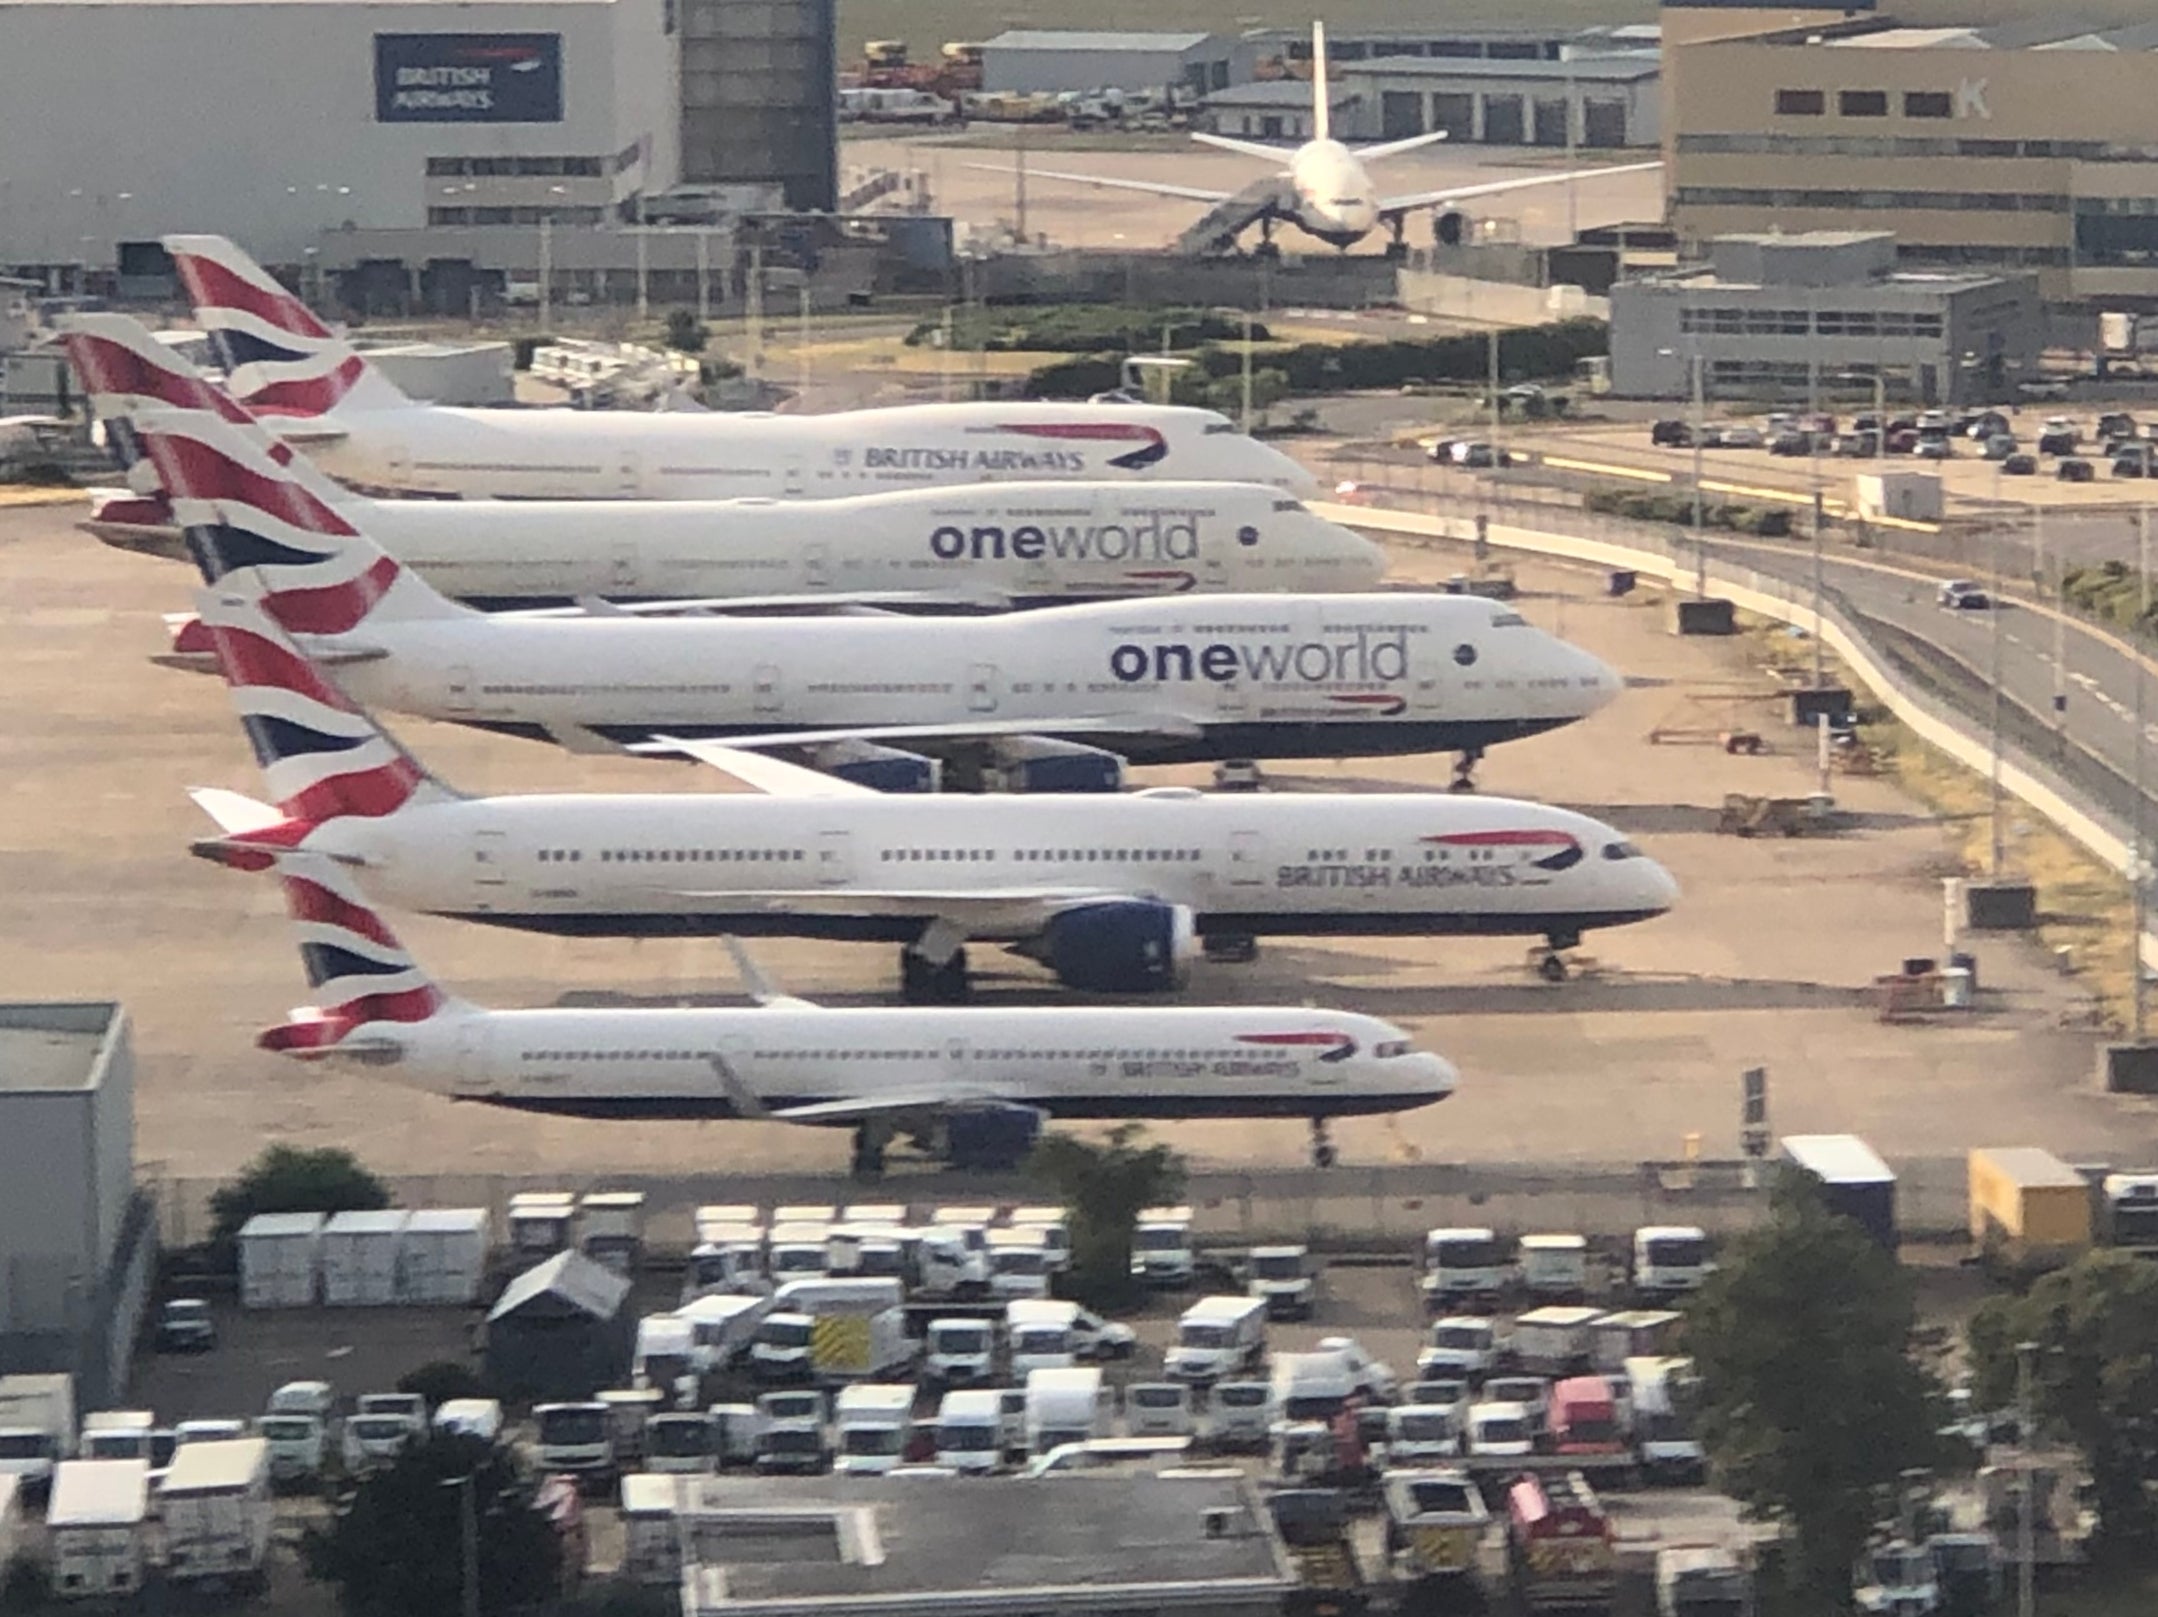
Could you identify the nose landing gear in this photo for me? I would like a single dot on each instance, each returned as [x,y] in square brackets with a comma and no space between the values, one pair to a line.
[1323,1154]
[923,981]
[1551,961]
[1465,770]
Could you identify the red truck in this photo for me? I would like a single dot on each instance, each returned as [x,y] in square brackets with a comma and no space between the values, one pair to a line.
[1582,1418]
[1559,1543]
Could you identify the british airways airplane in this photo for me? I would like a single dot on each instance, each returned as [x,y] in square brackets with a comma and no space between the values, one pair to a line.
[977,545]
[1112,893]
[1323,186]
[1149,680]
[286,365]
[879,1071]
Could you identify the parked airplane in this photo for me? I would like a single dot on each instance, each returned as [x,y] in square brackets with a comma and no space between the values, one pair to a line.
[1111,893]
[982,544]
[877,1070]
[283,362]
[1154,680]
[1323,187]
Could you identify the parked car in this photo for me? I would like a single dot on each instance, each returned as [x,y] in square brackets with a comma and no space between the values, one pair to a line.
[1935,449]
[184,1325]
[1671,435]
[1859,444]
[2134,462]
[1735,438]
[2073,470]
[2000,446]
[2116,424]
[1961,595]
[2020,466]
[2059,441]
[1903,441]
[1478,455]
[1792,442]
[1987,424]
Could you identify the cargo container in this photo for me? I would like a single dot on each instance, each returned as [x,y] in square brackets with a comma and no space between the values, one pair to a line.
[540,1222]
[98,1528]
[445,1257]
[2028,1208]
[1851,1178]
[281,1260]
[1553,1341]
[610,1227]
[360,1256]
[215,1502]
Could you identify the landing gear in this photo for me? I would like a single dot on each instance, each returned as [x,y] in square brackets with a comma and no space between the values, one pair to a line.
[870,1142]
[929,982]
[1551,964]
[1266,249]
[1465,770]
[1229,948]
[1323,1154]
[1396,249]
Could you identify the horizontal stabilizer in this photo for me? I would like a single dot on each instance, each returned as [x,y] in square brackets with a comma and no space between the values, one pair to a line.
[235,812]
[1249,148]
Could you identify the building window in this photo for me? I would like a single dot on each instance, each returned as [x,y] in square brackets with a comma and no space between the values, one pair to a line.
[1862,103]
[1801,103]
[1928,104]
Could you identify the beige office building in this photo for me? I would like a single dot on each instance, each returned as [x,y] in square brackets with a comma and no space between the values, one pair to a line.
[1986,135]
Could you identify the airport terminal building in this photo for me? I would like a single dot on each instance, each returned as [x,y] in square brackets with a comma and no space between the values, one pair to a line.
[1985,135]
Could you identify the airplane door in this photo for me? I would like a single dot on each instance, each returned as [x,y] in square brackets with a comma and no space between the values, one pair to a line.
[835,858]
[457,688]
[766,687]
[817,564]
[622,565]
[793,480]
[629,475]
[982,688]
[397,466]
[470,1074]
[1247,859]
[955,1058]
[490,863]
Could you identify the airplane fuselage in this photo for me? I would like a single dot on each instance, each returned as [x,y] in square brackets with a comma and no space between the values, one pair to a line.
[1242,864]
[1140,1062]
[1232,676]
[1336,200]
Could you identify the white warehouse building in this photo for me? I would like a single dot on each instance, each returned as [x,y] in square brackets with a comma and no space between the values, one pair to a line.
[272,121]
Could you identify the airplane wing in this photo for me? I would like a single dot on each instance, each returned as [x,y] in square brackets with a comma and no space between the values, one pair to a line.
[599,607]
[1244,148]
[774,777]
[1439,199]
[1162,724]
[761,988]
[1189,193]
[961,906]
[887,1101]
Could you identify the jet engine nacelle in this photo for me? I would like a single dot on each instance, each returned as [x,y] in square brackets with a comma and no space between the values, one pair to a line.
[1040,764]
[1450,227]
[1122,946]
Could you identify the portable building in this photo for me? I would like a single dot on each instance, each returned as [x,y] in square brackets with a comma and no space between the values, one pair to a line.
[561,1331]
[1851,1178]
[281,1260]
[445,1256]
[97,1526]
[216,1506]
[359,1258]
[540,1220]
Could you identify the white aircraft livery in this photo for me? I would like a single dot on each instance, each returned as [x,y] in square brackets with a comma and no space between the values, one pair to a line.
[286,365]
[1156,680]
[1322,187]
[1112,893]
[791,1061]
[981,544]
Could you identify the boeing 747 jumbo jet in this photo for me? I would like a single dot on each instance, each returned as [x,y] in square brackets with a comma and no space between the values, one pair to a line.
[1322,187]
[1111,893]
[1234,676]
[985,544]
[879,1071]
[284,363]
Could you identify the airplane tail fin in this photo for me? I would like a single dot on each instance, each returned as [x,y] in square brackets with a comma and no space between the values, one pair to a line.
[366,985]
[248,506]
[1322,111]
[322,756]
[278,358]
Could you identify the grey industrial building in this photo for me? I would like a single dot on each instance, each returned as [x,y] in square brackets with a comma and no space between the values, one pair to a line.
[562,1329]
[1275,109]
[1029,61]
[1787,317]
[760,96]
[78,1244]
[1600,102]
[1496,43]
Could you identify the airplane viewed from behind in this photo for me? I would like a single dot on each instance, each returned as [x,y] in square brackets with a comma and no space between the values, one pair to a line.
[984,544]
[286,365]
[881,1071]
[1323,187]
[1149,680]
[1111,893]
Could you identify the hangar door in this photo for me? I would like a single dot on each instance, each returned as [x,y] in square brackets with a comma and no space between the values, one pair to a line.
[1502,121]
[1603,123]
[1401,114]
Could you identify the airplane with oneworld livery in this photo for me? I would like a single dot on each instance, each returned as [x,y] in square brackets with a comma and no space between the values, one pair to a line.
[1059,697]
[980,545]
[1112,894]
[880,1071]
[323,395]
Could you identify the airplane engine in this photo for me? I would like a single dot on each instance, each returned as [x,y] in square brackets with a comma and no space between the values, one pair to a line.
[1130,946]
[1450,227]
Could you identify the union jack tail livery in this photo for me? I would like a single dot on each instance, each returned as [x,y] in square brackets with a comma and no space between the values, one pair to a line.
[276,527]
[278,358]
[366,984]
[322,757]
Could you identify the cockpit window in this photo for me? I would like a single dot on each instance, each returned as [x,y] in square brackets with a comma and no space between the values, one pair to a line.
[1386,1049]
[1213,427]
[1347,202]
[1621,850]
[1508,620]
[1288,505]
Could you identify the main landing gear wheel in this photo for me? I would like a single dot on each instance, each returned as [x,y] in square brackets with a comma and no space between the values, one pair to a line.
[1552,967]
[1323,1154]
[1465,770]
[1229,948]
[929,982]
[870,1141]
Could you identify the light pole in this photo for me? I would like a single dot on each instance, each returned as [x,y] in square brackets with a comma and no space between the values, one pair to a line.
[1698,431]
[469,1534]
[1243,424]
[2138,865]
[1994,678]
[2026,1526]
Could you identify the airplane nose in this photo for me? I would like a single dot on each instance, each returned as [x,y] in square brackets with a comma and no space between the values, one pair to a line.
[1434,1076]
[1362,564]
[1290,474]
[1659,886]
[1598,683]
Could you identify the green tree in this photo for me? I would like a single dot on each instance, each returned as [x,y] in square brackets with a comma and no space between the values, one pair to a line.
[686,334]
[294,1179]
[2094,1376]
[1811,1405]
[393,1546]
[440,1380]
[1105,1186]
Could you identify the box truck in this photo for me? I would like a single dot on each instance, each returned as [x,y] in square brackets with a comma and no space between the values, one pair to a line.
[1851,1178]
[216,1506]
[2028,1208]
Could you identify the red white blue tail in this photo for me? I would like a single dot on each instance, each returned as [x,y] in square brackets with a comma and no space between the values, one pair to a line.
[278,358]
[257,516]
[365,983]
[322,757]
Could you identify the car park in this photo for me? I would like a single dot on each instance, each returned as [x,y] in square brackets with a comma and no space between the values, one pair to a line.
[2075,470]
[2020,465]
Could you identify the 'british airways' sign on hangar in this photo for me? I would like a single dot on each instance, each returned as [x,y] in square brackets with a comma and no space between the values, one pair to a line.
[468,78]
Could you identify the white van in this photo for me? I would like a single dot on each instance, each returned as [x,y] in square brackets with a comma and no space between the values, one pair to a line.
[1158,1409]
[1669,1260]
[1067,1405]
[469,1417]
[1307,1387]
[1461,1345]
[117,1434]
[377,1437]
[721,1326]
[1161,1250]
[872,1418]
[1236,1414]
[1501,1431]
[1463,1264]
[1555,1266]
[1216,1337]
[1281,1277]
[959,1352]
[1042,1335]
[970,1431]
[679,1442]
[665,1358]
[1056,1232]
[1662,1418]
[1018,1263]
[798,1252]
[1420,1435]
